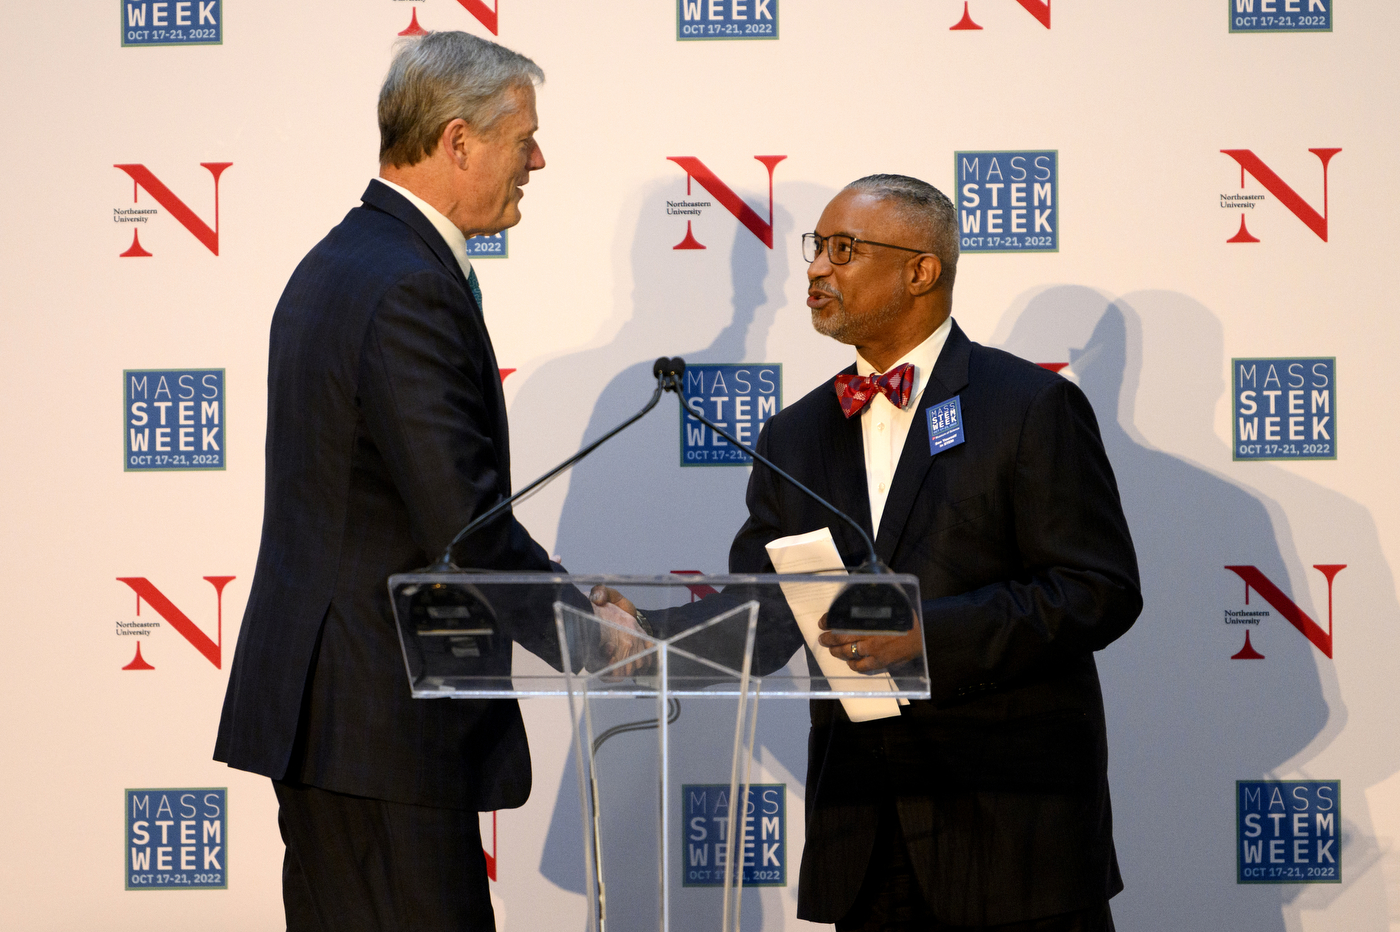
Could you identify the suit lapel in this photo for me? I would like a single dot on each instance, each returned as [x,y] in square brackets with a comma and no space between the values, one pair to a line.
[844,483]
[949,376]
[382,197]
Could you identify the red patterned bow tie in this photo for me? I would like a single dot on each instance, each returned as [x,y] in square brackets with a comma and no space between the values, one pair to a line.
[855,391]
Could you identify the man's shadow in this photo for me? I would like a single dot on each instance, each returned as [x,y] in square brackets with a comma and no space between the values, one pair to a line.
[1185,719]
[631,508]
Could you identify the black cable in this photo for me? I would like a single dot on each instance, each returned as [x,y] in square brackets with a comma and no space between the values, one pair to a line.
[673,712]
[445,561]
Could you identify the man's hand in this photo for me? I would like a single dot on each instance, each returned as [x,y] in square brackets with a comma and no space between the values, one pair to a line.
[871,653]
[611,605]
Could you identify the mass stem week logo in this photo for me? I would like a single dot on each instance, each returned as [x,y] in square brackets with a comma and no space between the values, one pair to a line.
[148,23]
[726,19]
[1255,16]
[1288,831]
[1008,200]
[176,839]
[173,420]
[1285,408]
[759,835]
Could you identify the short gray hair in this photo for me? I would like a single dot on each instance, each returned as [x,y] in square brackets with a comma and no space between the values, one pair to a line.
[441,77]
[923,207]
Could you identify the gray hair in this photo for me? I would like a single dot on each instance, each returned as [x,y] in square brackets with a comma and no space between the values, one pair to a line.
[923,207]
[442,77]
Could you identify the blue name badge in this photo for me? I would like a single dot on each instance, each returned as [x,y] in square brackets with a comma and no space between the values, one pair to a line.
[945,425]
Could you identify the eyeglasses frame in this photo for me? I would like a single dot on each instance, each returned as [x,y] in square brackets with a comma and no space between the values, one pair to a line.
[818,250]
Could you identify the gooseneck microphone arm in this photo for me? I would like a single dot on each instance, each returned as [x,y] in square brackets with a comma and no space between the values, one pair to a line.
[445,561]
[669,372]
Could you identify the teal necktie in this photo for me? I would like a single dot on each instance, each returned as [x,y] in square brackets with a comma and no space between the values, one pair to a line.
[476,288]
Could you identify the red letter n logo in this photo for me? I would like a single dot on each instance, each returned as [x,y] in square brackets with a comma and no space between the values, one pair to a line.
[695,169]
[1252,165]
[486,14]
[699,590]
[212,649]
[1040,9]
[142,177]
[1253,579]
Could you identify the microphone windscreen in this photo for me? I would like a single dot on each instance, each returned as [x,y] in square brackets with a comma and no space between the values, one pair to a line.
[669,366]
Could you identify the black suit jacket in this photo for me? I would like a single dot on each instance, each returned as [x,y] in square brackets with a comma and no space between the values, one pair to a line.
[386,434]
[1026,568]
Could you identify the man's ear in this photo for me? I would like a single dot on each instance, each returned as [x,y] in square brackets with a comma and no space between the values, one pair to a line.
[457,141]
[924,272]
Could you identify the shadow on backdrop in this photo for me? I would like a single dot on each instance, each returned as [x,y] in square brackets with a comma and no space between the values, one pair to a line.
[631,508]
[1186,721]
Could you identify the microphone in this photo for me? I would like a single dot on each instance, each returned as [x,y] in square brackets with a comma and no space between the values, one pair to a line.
[861,607]
[444,563]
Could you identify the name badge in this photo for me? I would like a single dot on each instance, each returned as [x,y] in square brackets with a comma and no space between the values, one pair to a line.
[945,425]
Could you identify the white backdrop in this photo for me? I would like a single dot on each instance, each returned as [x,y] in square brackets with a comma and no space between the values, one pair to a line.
[1144,298]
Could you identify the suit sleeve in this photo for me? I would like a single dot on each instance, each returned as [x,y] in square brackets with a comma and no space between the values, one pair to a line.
[426,358]
[747,554]
[1077,588]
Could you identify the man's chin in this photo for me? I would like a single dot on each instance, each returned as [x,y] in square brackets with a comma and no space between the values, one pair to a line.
[507,220]
[829,323]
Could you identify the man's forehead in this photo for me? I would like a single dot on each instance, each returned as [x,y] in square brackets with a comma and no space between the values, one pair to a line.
[856,212]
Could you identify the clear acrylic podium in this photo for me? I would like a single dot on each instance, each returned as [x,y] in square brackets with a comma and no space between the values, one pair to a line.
[722,643]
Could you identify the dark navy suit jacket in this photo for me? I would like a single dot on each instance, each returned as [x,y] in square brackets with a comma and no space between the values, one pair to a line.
[386,434]
[1026,568]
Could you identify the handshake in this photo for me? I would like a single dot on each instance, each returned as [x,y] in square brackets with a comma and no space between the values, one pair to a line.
[622,635]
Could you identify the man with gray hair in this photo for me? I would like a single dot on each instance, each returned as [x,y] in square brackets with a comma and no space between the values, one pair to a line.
[986,806]
[386,434]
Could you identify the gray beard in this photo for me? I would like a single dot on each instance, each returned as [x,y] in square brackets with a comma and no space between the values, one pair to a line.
[844,328]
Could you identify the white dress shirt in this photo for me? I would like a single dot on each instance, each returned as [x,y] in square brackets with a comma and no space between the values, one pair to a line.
[884,428]
[455,239]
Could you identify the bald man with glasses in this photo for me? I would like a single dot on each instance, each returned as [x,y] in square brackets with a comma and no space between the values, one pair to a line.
[986,806]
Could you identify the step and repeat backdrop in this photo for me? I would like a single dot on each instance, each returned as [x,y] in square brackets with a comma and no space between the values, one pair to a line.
[1186,207]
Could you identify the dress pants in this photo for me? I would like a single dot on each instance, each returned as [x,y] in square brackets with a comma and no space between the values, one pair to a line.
[890,900]
[366,865]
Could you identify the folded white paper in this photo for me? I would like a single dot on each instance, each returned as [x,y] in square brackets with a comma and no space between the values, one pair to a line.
[815,552]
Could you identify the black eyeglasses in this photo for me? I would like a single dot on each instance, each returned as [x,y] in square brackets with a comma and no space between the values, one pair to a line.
[839,246]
